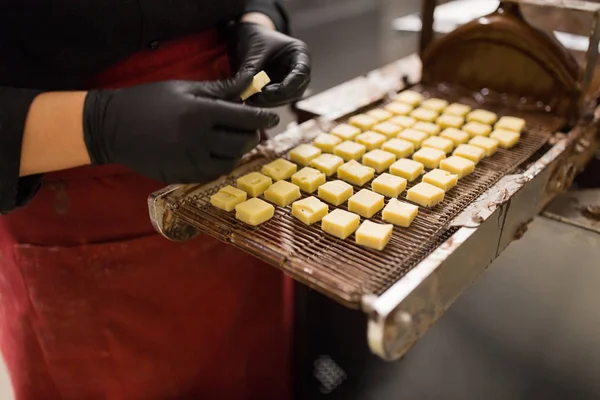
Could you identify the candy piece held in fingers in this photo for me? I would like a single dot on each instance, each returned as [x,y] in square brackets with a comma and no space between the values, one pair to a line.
[259,81]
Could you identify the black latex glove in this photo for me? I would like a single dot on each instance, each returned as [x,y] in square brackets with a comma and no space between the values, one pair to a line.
[174,131]
[286,60]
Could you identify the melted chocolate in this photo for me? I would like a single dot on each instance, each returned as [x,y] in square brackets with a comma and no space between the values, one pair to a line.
[501,53]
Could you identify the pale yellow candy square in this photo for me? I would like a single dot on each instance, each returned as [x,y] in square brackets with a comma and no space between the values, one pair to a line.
[511,124]
[403,121]
[380,114]
[389,129]
[366,203]
[355,173]
[254,211]
[362,121]
[458,165]
[506,139]
[345,131]
[379,160]
[371,140]
[304,154]
[407,169]
[490,145]
[399,147]
[327,163]
[483,116]
[428,127]
[389,185]
[254,183]
[327,142]
[456,135]
[409,97]
[374,236]
[282,193]
[425,194]
[470,152]
[414,136]
[399,213]
[279,169]
[227,198]
[308,179]
[309,210]
[460,110]
[450,121]
[440,143]
[335,192]
[398,108]
[437,105]
[440,178]
[424,114]
[477,129]
[340,223]
[429,157]
[350,150]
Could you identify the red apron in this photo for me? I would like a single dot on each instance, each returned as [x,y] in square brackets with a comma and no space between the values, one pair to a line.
[95,305]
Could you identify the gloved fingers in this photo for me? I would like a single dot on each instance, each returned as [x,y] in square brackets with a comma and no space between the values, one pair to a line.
[242,117]
[226,89]
[293,85]
[233,144]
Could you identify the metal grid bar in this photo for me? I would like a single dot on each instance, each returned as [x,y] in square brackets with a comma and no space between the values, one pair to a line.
[340,268]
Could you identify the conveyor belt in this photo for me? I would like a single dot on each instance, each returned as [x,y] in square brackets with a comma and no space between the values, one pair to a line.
[340,268]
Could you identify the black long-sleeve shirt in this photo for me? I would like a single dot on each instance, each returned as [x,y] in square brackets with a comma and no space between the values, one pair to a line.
[49,45]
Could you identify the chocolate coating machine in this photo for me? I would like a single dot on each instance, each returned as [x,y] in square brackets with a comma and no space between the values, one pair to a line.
[498,62]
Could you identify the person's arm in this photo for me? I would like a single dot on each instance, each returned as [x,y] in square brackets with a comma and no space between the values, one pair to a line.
[275,10]
[53,134]
[27,120]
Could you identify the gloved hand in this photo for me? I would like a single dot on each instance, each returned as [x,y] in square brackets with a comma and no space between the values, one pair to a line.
[286,60]
[174,131]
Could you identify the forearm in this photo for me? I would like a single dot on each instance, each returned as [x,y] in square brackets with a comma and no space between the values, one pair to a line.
[53,134]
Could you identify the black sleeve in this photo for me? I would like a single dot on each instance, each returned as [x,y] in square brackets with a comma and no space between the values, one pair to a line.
[275,9]
[14,191]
